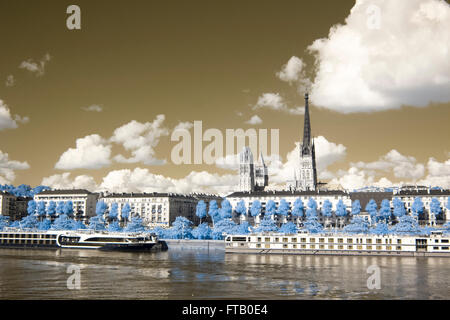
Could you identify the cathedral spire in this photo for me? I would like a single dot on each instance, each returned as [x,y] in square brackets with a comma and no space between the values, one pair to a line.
[306,128]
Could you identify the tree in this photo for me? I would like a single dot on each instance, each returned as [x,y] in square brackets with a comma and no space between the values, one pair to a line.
[381,229]
[240,208]
[417,207]
[76,225]
[243,228]
[371,208]
[114,212]
[406,225]
[213,211]
[200,210]
[255,209]
[41,208]
[51,208]
[312,225]
[357,225]
[356,207]
[100,208]
[327,208]
[312,208]
[226,209]
[4,222]
[29,222]
[222,228]
[126,209]
[288,228]
[203,231]
[341,211]
[283,209]
[68,208]
[114,227]
[31,209]
[44,225]
[62,223]
[435,207]
[97,223]
[271,208]
[385,210]
[267,225]
[181,229]
[60,208]
[297,211]
[399,208]
[135,225]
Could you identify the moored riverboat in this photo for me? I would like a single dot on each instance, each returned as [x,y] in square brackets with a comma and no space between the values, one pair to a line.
[436,244]
[79,239]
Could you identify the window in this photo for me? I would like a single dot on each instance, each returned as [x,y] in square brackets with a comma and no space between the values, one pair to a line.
[340,240]
[379,248]
[379,241]
[330,246]
[359,247]
[399,248]
[321,246]
[312,246]
[303,240]
[369,247]
[350,247]
[349,240]
[285,239]
[312,240]
[294,239]
[368,240]
[321,240]
[399,241]
[331,240]
[267,239]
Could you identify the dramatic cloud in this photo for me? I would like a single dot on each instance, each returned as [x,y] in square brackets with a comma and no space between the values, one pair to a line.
[140,139]
[93,108]
[36,67]
[254,120]
[142,180]
[91,152]
[10,81]
[6,119]
[402,166]
[7,168]
[63,181]
[276,102]
[387,54]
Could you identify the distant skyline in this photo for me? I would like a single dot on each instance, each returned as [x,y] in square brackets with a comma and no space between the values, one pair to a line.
[95,108]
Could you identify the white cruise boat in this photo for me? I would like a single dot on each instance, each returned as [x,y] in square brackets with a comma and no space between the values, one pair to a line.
[80,239]
[436,244]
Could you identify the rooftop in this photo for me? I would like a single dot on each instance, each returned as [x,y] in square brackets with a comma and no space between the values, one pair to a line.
[64,191]
[243,194]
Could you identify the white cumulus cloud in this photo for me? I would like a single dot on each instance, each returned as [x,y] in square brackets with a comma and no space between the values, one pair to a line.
[7,168]
[91,152]
[141,139]
[254,120]
[7,121]
[386,54]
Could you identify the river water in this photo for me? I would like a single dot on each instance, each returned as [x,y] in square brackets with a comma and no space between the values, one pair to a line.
[203,274]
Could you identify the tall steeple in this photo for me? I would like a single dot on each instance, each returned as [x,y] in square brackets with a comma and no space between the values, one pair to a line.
[306,145]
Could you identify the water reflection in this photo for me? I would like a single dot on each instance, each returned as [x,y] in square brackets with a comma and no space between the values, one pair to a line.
[190,274]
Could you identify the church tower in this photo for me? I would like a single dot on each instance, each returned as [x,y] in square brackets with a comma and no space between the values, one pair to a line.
[306,178]
[246,171]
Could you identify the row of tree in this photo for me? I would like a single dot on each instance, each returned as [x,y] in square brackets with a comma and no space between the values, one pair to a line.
[300,211]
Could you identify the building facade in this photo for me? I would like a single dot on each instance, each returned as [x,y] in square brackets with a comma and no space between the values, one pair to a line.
[157,209]
[7,204]
[407,194]
[84,201]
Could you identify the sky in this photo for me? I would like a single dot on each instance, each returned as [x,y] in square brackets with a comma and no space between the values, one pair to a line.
[97,107]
